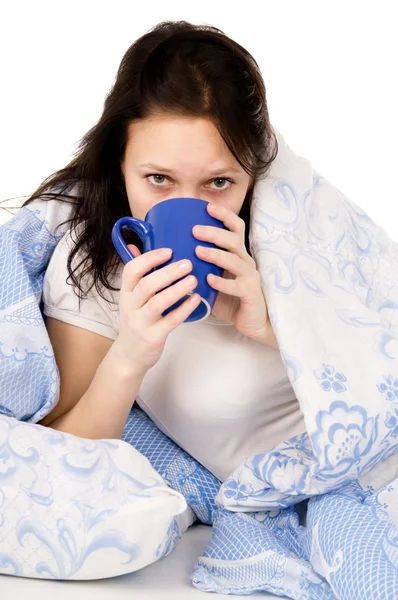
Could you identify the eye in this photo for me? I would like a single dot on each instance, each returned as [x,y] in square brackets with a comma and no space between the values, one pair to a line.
[154,175]
[216,189]
[224,179]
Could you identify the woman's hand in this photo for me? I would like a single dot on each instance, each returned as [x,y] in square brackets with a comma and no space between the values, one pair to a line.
[240,300]
[146,292]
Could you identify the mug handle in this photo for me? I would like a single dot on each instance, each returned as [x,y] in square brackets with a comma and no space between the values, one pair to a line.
[141,228]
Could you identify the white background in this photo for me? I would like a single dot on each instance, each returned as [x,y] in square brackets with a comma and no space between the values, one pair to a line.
[330,71]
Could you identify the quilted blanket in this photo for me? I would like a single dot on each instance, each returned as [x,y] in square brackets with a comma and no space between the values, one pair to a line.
[330,278]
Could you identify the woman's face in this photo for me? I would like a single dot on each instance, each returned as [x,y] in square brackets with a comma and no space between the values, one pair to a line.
[172,157]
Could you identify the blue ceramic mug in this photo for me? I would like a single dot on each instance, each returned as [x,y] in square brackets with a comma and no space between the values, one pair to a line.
[168,224]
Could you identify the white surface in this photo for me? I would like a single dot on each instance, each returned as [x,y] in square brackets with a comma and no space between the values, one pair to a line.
[168,578]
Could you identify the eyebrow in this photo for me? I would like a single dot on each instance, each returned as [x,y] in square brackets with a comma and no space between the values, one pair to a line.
[220,169]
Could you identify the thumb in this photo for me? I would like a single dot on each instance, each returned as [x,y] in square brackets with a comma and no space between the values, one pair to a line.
[134,250]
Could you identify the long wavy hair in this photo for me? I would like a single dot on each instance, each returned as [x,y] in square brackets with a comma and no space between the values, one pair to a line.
[178,68]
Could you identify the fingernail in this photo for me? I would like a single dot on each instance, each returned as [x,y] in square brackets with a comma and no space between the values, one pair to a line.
[184,265]
[165,251]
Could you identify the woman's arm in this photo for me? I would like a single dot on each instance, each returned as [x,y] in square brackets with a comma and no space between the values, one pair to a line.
[97,388]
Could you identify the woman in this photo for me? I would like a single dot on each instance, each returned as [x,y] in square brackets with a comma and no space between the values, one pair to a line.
[186,117]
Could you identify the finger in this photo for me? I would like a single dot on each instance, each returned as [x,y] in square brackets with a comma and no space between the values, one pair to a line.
[230,219]
[226,260]
[135,269]
[134,250]
[240,287]
[177,316]
[147,289]
[229,240]
[158,303]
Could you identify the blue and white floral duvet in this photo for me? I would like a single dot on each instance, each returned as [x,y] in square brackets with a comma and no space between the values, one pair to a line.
[330,279]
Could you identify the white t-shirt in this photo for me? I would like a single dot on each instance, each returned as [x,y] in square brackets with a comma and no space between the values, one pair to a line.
[218,394]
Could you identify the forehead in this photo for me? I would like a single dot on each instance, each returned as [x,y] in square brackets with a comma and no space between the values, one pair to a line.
[180,145]
[177,134]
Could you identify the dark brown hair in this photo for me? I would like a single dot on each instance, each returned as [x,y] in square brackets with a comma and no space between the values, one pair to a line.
[177,68]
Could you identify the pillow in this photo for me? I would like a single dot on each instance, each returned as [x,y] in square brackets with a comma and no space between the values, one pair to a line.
[75,508]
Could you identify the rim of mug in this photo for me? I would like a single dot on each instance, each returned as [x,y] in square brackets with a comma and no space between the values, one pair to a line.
[178,198]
